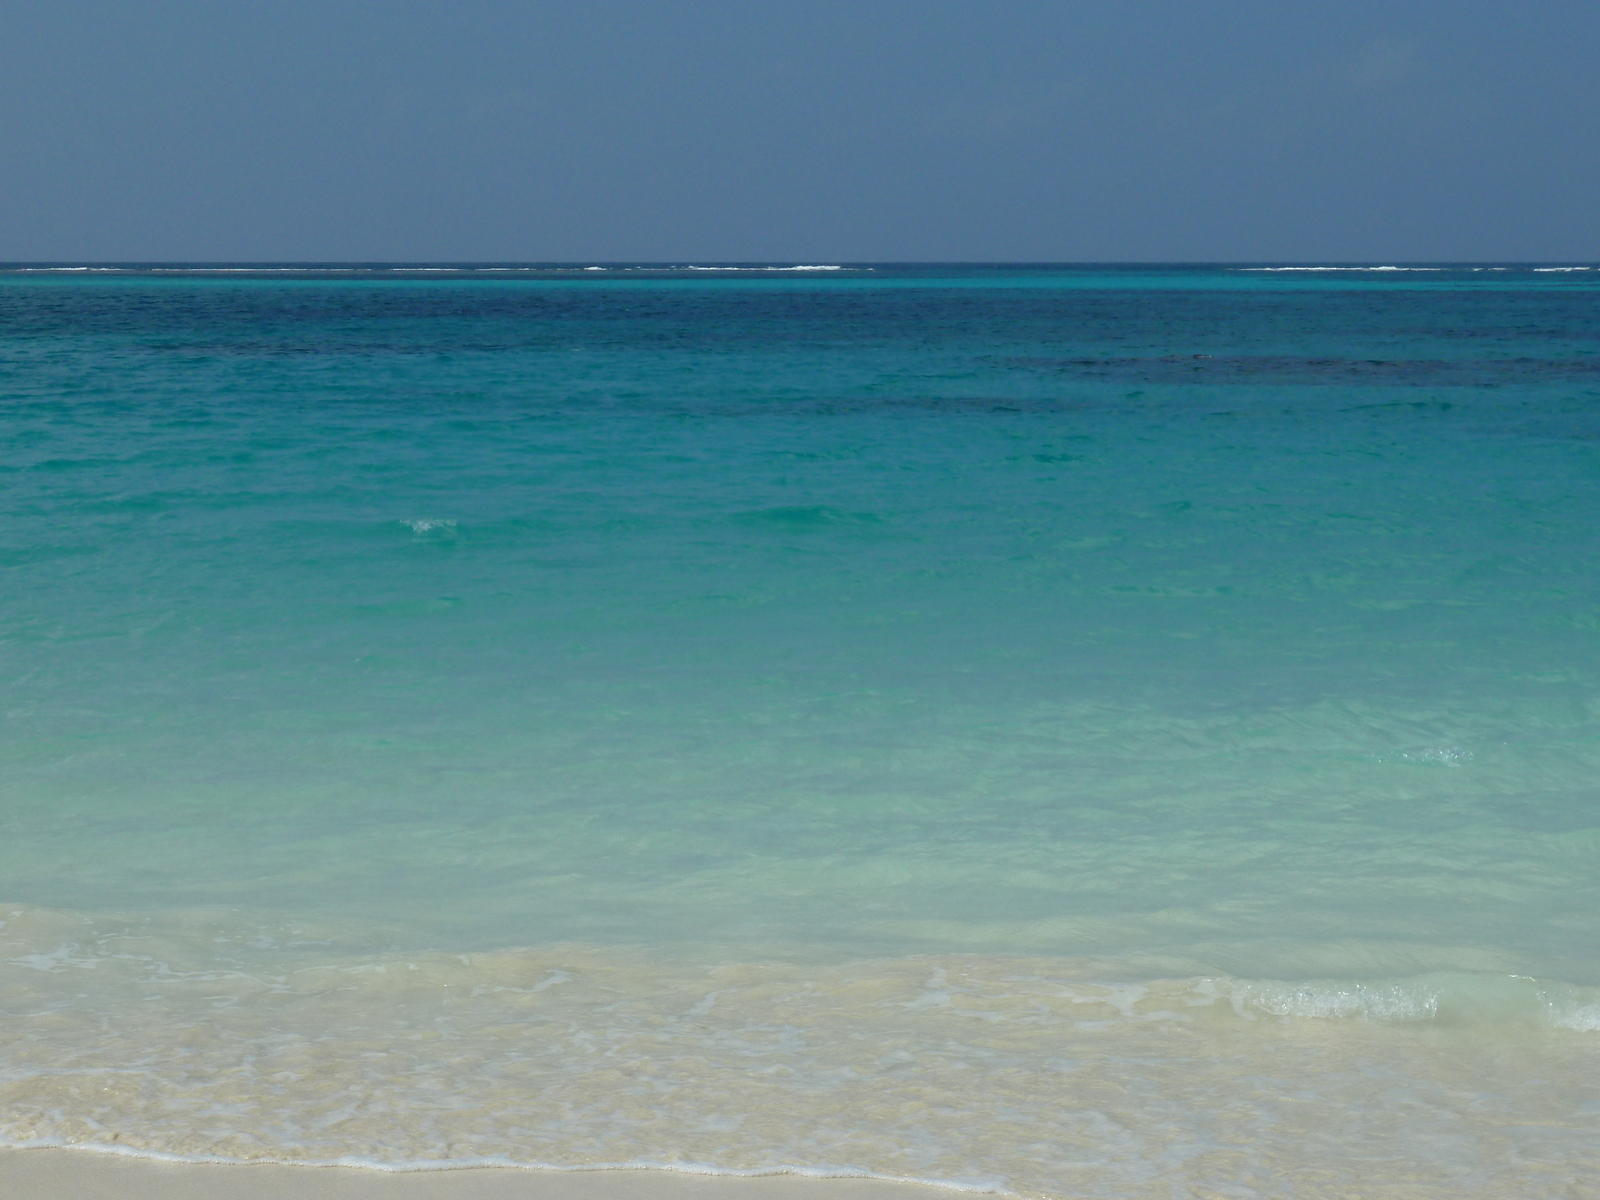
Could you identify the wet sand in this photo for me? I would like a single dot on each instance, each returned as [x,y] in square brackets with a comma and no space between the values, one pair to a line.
[84,1175]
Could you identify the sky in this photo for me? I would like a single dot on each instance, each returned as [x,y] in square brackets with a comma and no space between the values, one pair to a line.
[785,131]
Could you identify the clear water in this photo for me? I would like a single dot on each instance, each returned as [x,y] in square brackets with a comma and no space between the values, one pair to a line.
[927,722]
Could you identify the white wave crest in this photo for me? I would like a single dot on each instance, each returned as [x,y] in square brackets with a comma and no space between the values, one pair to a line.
[805,267]
[1341,268]
[1498,1001]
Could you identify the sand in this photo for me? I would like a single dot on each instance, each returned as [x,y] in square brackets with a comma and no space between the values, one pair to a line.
[84,1175]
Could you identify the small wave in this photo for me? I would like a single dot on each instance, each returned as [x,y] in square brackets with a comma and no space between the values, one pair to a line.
[1450,756]
[1501,1001]
[988,1187]
[429,526]
[1341,268]
[804,267]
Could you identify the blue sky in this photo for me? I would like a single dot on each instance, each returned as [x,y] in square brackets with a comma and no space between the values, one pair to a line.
[822,131]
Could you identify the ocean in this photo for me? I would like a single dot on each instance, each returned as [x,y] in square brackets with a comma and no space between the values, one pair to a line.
[1070,731]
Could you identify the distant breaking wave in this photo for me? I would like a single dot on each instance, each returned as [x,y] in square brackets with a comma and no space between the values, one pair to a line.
[1342,268]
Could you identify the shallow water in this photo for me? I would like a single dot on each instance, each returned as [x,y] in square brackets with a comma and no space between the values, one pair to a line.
[1086,732]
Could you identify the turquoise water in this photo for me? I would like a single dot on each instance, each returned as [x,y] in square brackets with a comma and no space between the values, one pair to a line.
[1094,731]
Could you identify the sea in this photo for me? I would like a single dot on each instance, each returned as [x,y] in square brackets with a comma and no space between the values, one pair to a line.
[1066,731]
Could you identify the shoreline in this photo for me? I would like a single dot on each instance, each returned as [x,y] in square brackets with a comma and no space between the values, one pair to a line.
[72,1173]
